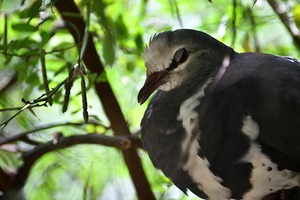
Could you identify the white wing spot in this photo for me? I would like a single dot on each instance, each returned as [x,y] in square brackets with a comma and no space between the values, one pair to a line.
[265,177]
[250,128]
[197,167]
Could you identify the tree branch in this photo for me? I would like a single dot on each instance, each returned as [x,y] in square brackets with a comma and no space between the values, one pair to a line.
[291,27]
[23,135]
[30,157]
[5,181]
[107,97]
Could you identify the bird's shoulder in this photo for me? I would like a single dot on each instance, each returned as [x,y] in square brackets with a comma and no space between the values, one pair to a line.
[265,68]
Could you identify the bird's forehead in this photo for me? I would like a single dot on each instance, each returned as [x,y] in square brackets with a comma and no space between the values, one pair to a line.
[158,54]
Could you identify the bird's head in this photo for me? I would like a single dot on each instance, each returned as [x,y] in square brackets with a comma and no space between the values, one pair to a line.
[174,58]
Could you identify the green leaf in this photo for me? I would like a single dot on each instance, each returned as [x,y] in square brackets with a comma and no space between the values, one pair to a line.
[109,48]
[32,11]
[121,29]
[130,66]
[33,79]
[296,14]
[99,6]
[45,37]
[139,43]
[24,27]
[26,93]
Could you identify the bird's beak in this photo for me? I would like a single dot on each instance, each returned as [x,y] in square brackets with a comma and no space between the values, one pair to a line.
[152,82]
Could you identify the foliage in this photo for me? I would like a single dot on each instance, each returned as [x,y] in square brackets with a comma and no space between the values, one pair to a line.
[38,54]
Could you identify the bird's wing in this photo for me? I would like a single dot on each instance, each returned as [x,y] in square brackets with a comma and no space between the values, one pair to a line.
[260,93]
[266,88]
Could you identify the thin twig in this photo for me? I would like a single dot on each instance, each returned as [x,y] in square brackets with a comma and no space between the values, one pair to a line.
[16,108]
[177,12]
[254,30]
[86,31]
[290,25]
[4,124]
[44,98]
[234,33]
[44,74]
[38,54]
[23,135]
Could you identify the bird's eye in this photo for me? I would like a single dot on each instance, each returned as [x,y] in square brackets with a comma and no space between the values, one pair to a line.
[180,56]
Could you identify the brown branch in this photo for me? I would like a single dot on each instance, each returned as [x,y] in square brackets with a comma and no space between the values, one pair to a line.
[107,97]
[291,26]
[30,157]
[23,135]
[5,181]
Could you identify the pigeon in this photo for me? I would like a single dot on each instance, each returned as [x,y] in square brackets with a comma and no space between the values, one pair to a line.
[222,124]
